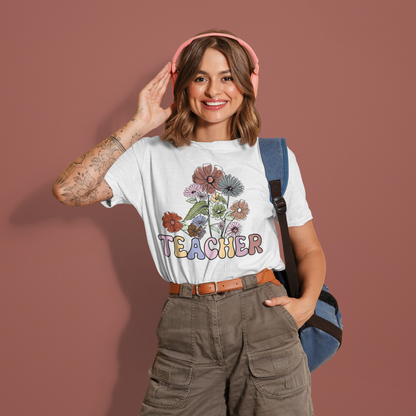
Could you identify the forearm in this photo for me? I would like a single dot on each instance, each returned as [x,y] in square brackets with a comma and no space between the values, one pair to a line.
[311,271]
[80,183]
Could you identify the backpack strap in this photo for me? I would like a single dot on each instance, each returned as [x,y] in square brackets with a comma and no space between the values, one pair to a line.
[275,159]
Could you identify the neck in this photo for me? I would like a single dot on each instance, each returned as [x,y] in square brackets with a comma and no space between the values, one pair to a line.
[211,132]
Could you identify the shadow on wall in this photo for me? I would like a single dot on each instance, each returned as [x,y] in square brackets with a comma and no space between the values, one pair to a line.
[128,247]
[130,253]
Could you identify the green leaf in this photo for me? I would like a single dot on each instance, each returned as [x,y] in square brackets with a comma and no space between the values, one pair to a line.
[184,228]
[222,199]
[228,217]
[196,209]
[215,229]
[191,200]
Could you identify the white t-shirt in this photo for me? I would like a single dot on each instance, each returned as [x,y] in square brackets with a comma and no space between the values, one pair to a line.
[206,207]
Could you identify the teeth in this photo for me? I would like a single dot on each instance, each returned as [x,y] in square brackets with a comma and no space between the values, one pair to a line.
[216,103]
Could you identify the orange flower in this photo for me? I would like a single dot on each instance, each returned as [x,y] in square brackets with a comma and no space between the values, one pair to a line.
[239,210]
[171,222]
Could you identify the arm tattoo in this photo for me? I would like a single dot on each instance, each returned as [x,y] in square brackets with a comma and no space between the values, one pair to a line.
[82,192]
[118,144]
[70,169]
[81,188]
[133,138]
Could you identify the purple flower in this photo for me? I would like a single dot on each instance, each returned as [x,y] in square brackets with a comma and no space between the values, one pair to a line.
[199,220]
[192,190]
[202,195]
[201,233]
[221,225]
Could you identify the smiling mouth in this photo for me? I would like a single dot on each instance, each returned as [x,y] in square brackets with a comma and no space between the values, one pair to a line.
[214,103]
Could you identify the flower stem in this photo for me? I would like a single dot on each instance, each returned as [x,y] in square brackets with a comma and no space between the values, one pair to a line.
[209,222]
[184,232]
[225,225]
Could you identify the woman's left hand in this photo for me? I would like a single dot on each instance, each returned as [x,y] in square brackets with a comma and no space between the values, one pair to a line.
[301,309]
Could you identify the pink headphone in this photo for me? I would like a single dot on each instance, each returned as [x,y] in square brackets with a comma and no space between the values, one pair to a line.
[254,76]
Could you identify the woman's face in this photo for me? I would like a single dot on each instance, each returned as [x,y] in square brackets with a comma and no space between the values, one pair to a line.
[213,96]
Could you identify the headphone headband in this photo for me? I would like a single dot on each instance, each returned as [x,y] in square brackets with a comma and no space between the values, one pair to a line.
[254,75]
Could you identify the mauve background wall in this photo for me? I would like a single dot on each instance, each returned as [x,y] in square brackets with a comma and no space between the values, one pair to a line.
[80,296]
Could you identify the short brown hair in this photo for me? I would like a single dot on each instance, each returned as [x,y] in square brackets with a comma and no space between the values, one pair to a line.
[180,126]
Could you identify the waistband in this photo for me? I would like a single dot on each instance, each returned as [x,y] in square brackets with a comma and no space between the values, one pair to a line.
[211,288]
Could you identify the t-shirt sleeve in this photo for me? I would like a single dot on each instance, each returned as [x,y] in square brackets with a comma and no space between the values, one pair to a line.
[298,212]
[125,178]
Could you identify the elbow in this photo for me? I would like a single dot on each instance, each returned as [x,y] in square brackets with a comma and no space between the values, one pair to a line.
[314,254]
[56,192]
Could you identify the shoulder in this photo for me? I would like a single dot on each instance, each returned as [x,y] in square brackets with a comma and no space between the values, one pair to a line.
[147,142]
[295,176]
[291,156]
[151,144]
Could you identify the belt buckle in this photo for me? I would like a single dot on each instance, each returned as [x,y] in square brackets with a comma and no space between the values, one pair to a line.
[204,294]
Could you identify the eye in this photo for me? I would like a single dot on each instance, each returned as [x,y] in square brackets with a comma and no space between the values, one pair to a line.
[228,79]
[199,79]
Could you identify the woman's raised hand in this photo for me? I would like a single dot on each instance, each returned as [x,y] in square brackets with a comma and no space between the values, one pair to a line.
[148,109]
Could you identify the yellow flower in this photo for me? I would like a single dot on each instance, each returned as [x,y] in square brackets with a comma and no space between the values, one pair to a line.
[215,197]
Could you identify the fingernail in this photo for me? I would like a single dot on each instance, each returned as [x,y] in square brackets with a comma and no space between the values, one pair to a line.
[268,301]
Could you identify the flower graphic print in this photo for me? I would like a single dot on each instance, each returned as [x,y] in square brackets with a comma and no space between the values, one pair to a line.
[171,222]
[231,186]
[207,176]
[234,228]
[215,218]
[239,210]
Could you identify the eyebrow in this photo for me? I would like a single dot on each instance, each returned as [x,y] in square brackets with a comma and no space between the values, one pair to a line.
[226,71]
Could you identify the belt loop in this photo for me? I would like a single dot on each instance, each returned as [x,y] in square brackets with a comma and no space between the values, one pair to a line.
[249,281]
[185,290]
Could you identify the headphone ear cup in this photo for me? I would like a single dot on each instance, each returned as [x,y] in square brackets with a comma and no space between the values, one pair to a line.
[174,78]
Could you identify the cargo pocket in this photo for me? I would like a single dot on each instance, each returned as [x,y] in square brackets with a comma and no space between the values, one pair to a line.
[280,373]
[170,382]
[166,306]
[289,316]
[275,292]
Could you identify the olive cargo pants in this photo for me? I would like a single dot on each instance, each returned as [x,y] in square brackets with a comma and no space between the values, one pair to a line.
[228,354]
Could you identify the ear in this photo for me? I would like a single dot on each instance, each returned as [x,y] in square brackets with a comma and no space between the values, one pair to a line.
[255,81]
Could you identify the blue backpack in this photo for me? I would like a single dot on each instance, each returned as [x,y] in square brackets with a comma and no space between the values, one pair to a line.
[321,335]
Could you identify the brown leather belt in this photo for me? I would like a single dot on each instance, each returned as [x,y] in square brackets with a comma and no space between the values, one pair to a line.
[211,288]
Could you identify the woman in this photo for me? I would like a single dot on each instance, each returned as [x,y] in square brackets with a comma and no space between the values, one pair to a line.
[228,340]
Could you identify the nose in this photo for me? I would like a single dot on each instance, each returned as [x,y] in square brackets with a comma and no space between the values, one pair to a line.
[213,88]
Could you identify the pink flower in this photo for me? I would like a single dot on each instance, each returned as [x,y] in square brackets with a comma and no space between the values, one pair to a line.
[234,229]
[192,190]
